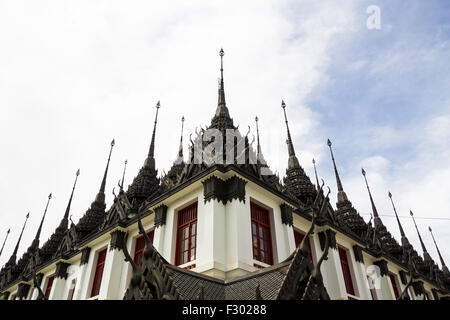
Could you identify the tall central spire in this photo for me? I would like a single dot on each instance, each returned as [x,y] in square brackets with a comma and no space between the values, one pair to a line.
[12,259]
[100,199]
[221,119]
[35,243]
[444,267]
[342,196]
[426,255]
[151,151]
[293,161]
[374,209]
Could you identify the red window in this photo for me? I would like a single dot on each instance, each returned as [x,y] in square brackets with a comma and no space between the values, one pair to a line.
[140,247]
[298,236]
[187,234]
[48,289]
[394,284]
[98,273]
[262,243]
[346,271]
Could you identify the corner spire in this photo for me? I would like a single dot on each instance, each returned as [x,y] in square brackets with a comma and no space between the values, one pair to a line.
[444,267]
[66,215]
[7,234]
[426,255]
[342,196]
[221,101]
[100,199]
[12,259]
[293,161]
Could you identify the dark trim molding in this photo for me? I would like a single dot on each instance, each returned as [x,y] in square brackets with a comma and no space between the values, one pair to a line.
[382,264]
[39,278]
[117,237]
[224,190]
[61,270]
[85,255]
[286,214]
[403,277]
[160,215]
[22,291]
[357,250]
[331,234]
[418,288]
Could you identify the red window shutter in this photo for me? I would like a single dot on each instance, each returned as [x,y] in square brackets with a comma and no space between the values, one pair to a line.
[262,241]
[140,247]
[346,271]
[186,235]
[394,284]
[298,236]
[48,289]
[98,273]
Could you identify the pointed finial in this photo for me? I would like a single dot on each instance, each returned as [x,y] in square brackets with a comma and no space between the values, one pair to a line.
[12,259]
[38,233]
[7,234]
[293,161]
[444,267]
[342,196]
[426,255]
[151,152]
[100,199]
[66,215]
[223,110]
[404,239]
[374,209]
[258,147]
[315,173]
[123,175]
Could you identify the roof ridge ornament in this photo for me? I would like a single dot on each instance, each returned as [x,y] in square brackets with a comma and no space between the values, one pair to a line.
[123,176]
[444,267]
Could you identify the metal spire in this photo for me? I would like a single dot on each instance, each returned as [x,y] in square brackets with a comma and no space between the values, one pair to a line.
[123,175]
[222,109]
[150,161]
[426,255]
[404,239]
[444,267]
[38,234]
[7,234]
[101,194]
[66,215]
[342,196]
[258,147]
[180,149]
[315,173]
[293,161]
[374,209]
[12,260]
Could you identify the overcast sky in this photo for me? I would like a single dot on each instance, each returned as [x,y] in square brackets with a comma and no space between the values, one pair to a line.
[75,74]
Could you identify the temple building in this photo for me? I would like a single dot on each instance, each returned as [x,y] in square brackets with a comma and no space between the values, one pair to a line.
[223,230]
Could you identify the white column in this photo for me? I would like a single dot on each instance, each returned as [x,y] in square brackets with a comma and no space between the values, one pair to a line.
[331,270]
[112,273]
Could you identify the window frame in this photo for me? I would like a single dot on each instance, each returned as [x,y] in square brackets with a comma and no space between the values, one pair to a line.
[266,225]
[191,223]
[303,234]
[395,284]
[98,274]
[138,253]
[48,286]
[348,279]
